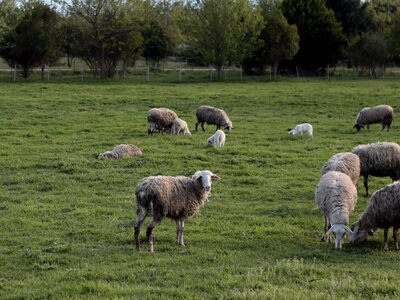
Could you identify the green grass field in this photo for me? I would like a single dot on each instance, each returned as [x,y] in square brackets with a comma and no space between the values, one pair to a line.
[66,218]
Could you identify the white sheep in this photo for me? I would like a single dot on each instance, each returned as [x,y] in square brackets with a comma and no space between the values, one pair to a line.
[122,150]
[177,198]
[217,139]
[336,196]
[178,126]
[347,163]
[302,128]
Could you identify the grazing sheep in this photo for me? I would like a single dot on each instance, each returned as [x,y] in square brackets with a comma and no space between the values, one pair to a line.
[302,128]
[179,126]
[336,196]
[218,139]
[378,159]
[160,119]
[383,211]
[122,150]
[177,198]
[371,115]
[212,115]
[347,163]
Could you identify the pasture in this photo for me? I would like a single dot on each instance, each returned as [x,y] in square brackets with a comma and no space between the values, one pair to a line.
[66,218]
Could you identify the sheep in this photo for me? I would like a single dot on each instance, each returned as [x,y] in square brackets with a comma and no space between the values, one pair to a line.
[177,198]
[212,115]
[371,115]
[217,139]
[347,163]
[122,150]
[378,159]
[178,126]
[160,119]
[336,196]
[383,211]
[302,128]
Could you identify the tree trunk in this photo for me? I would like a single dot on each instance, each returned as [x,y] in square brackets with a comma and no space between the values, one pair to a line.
[42,71]
[219,71]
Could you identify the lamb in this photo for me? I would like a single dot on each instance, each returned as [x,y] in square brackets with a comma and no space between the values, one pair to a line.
[160,119]
[212,115]
[336,196]
[383,211]
[217,139]
[178,126]
[371,115]
[122,150]
[347,163]
[302,128]
[177,198]
[378,159]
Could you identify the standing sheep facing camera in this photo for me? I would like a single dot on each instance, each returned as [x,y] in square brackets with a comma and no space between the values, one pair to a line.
[336,196]
[217,139]
[177,198]
[178,126]
[302,128]
[371,115]
[160,119]
[383,211]
[378,159]
[122,150]
[213,115]
[347,163]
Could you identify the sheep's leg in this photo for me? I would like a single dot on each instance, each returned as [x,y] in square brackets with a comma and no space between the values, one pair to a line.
[149,232]
[182,226]
[395,237]
[141,215]
[326,228]
[385,237]
[366,185]
[197,124]
[202,126]
[178,231]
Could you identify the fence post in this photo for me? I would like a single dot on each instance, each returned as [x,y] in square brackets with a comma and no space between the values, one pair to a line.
[210,74]
[241,72]
[148,72]
[81,74]
[270,72]
[328,72]
[297,72]
[180,72]
[48,73]
[15,71]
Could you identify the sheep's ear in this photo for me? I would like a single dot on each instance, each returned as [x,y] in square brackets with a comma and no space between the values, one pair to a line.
[196,177]
[215,177]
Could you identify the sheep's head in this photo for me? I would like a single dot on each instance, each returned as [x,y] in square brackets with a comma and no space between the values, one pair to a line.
[291,132]
[360,234]
[338,231]
[206,177]
[358,126]
[228,126]
[210,140]
[108,154]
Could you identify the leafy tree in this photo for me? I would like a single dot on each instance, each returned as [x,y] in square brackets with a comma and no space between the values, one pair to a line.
[35,40]
[156,43]
[222,31]
[109,32]
[9,15]
[321,39]
[394,38]
[370,51]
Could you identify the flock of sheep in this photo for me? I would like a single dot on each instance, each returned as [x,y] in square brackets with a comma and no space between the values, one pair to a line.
[336,192]
[179,198]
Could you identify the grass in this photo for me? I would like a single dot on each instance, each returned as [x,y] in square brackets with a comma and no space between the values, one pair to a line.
[66,218]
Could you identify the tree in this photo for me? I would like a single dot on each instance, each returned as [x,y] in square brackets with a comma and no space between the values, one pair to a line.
[222,31]
[281,40]
[370,51]
[394,38]
[156,42]
[35,40]
[321,39]
[109,32]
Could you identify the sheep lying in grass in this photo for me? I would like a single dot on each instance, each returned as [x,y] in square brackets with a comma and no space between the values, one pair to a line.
[371,115]
[213,115]
[217,139]
[347,163]
[383,211]
[178,126]
[336,197]
[160,119]
[122,150]
[177,198]
[302,128]
[378,159]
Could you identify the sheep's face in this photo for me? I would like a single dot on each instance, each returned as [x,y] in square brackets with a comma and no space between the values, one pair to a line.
[358,127]
[206,178]
[359,234]
[291,132]
[228,126]
[339,230]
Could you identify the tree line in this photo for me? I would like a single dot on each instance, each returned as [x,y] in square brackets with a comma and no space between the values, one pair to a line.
[303,36]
